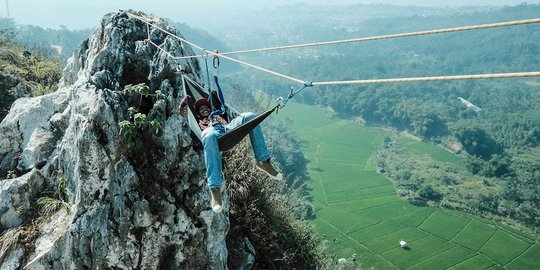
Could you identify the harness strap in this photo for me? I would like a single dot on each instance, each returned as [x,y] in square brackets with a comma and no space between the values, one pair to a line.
[221,111]
[208,88]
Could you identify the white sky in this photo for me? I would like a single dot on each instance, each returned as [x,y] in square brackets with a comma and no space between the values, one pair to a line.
[79,14]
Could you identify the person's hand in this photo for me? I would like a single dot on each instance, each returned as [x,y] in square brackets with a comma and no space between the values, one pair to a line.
[183,111]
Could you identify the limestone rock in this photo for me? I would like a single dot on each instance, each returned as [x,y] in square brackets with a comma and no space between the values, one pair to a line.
[146,208]
[16,196]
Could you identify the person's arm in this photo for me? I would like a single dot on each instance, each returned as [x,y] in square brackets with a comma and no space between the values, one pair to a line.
[186,101]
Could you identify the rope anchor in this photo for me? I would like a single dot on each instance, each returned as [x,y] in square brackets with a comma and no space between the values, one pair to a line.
[292,93]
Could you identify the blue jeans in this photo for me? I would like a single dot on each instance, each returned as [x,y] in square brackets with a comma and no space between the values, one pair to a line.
[212,155]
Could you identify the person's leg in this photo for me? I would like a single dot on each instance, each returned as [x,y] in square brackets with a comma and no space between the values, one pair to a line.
[260,150]
[212,157]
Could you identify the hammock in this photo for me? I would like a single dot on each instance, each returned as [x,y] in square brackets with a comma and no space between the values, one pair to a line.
[230,138]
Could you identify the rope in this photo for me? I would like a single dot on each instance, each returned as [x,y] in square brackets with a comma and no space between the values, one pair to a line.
[142,19]
[207,76]
[392,80]
[436,78]
[264,69]
[209,52]
[161,49]
[410,34]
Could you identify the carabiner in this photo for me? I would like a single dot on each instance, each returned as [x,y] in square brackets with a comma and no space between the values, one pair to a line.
[215,61]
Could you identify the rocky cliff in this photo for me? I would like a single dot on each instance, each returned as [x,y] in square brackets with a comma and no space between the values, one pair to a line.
[76,197]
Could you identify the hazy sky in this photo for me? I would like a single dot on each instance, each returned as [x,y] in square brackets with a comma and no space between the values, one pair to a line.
[78,14]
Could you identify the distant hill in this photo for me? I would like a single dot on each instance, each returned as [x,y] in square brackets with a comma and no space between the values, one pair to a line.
[50,42]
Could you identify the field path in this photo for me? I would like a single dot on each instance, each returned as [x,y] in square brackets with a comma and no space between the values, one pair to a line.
[324,192]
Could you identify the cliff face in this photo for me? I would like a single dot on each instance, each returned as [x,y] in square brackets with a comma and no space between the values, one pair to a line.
[144,208]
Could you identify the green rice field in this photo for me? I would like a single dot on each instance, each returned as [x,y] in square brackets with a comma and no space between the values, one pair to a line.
[358,211]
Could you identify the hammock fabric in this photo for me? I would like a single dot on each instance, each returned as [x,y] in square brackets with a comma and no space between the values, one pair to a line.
[230,138]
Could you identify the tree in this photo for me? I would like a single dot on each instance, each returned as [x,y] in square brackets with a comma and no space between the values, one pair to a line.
[430,194]
[7,30]
[477,142]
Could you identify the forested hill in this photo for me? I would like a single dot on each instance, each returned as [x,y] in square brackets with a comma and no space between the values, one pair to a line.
[500,142]
[430,110]
[49,42]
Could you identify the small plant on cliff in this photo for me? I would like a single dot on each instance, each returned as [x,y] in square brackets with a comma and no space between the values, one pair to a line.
[138,122]
[142,90]
[11,174]
[42,90]
[55,200]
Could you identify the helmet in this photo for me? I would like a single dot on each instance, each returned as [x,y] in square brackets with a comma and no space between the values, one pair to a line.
[201,102]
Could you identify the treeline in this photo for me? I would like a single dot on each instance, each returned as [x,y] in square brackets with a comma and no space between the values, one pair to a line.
[49,42]
[507,127]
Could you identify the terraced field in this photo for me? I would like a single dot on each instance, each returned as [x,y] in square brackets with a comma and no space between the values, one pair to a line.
[358,211]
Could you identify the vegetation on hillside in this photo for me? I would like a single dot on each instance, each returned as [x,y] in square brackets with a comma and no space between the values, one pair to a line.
[493,140]
[426,181]
[23,71]
[272,216]
[52,43]
[261,210]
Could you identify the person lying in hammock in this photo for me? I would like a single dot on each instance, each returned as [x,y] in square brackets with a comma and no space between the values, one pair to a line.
[211,130]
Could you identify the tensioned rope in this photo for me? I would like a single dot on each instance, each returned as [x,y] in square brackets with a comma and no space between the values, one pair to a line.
[390,36]
[437,78]
[390,80]
[145,20]
[264,69]
[208,52]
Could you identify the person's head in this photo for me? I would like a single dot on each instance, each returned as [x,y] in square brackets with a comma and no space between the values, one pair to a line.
[202,107]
